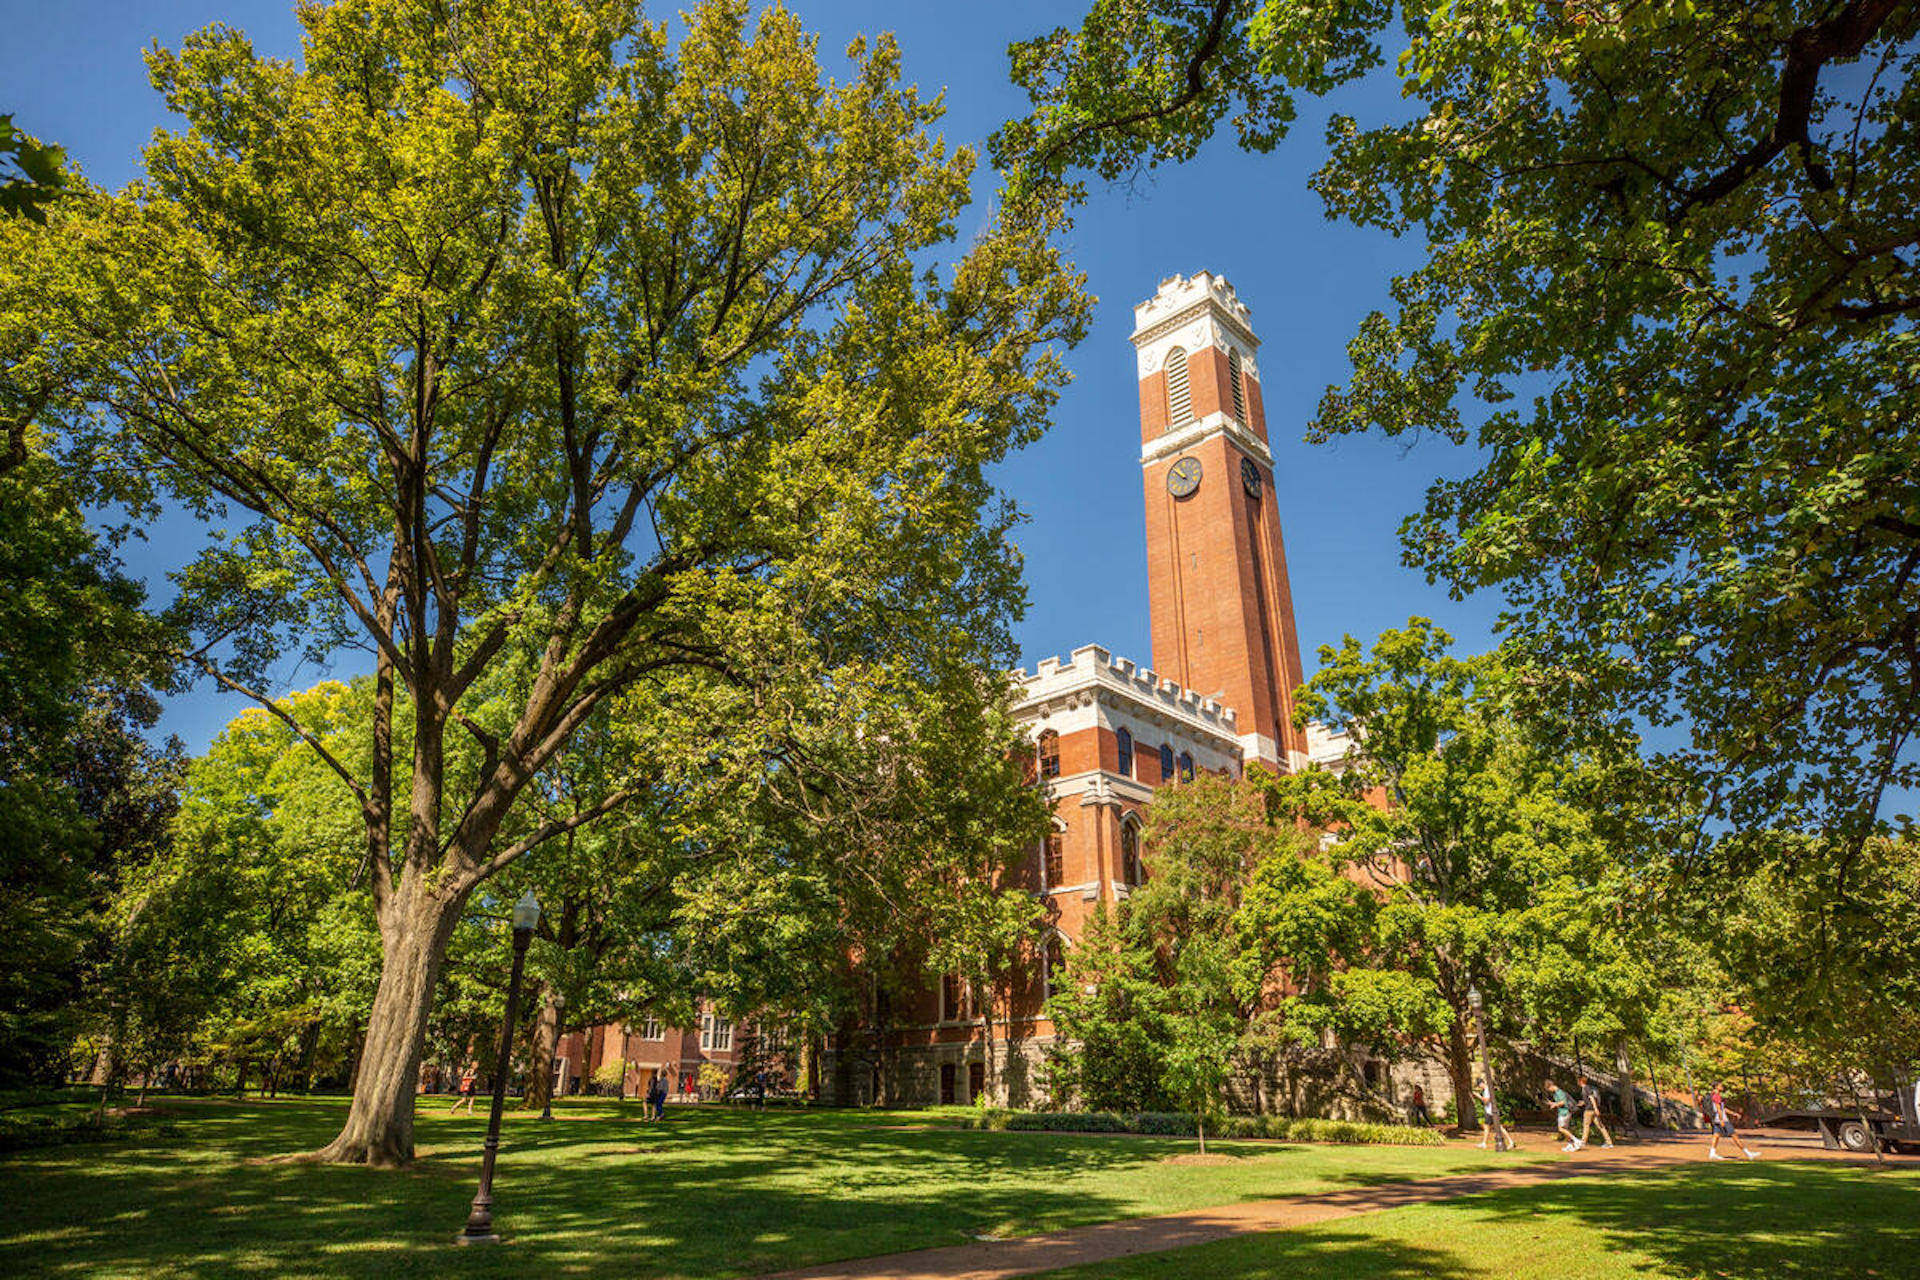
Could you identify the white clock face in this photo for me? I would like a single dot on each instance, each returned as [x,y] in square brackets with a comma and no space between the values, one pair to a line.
[1183,477]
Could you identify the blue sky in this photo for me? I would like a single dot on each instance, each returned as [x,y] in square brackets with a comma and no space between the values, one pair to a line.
[72,74]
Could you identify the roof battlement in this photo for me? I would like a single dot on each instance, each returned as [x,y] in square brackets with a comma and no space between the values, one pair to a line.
[1091,668]
[1179,297]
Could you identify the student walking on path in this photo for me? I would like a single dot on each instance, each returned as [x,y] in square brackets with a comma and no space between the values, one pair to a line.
[1490,1117]
[1590,1114]
[1563,1118]
[1723,1127]
[1417,1107]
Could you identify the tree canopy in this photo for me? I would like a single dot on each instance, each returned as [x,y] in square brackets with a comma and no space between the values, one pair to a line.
[547,361]
[1668,296]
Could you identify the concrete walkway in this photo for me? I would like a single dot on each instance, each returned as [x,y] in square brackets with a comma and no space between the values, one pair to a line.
[1077,1246]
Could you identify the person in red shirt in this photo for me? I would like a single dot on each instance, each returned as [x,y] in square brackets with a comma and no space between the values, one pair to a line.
[466,1089]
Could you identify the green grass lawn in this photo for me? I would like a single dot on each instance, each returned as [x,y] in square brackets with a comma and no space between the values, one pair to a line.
[1765,1221]
[711,1193]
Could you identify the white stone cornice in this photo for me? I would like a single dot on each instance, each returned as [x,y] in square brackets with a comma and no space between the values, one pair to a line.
[1194,433]
[1160,328]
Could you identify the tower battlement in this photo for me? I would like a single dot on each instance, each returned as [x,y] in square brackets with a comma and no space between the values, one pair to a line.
[1092,670]
[1178,297]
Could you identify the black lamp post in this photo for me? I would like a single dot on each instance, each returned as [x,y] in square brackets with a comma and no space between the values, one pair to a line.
[1486,1068]
[526,914]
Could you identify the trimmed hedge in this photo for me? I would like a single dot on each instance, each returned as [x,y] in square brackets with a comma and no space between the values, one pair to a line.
[1179,1124]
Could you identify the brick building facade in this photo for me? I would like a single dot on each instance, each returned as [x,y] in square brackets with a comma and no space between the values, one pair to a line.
[1108,732]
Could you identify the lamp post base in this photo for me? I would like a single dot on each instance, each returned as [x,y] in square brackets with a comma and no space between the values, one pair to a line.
[488,1238]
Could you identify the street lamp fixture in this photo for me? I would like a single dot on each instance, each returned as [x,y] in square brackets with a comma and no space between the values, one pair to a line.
[1475,1003]
[526,915]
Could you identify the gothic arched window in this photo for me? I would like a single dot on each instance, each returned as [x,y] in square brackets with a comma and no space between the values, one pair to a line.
[1053,864]
[1124,741]
[1186,766]
[1166,763]
[1179,394]
[1049,754]
[1130,853]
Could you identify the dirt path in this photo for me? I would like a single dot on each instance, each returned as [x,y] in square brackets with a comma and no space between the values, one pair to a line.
[997,1259]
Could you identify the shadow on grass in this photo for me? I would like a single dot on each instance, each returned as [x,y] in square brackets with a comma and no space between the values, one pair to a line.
[706,1194]
[1767,1221]
[1325,1254]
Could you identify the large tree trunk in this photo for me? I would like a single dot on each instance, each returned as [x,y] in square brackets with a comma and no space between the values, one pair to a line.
[546,1040]
[986,1022]
[1629,1108]
[1460,1072]
[379,1127]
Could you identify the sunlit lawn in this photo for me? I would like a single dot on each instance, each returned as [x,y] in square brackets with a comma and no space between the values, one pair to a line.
[1765,1221]
[712,1192]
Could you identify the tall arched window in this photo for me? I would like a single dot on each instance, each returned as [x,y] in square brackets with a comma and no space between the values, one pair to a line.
[1186,766]
[1049,754]
[1130,853]
[1234,385]
[1124,741]
[1053,862]
[1179,394]
[1166,763]
[1054,966]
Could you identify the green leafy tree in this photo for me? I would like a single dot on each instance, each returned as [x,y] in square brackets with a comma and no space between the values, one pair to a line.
[1823,963]
[848,865]
[1110,1006]
[245,941]
[82,790]
[1484,866]
[1668,295]
[530,338]
[1203,1027]
[32,173]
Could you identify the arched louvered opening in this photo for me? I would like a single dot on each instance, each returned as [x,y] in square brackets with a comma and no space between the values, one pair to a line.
[1179,393]
[1234,384]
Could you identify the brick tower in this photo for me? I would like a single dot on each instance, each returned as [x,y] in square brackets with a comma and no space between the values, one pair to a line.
[1216,569]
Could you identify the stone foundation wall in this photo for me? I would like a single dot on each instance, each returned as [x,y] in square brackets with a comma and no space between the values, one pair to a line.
[910,1076]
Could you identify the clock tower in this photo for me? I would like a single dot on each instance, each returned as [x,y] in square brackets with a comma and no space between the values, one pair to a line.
[1216,568]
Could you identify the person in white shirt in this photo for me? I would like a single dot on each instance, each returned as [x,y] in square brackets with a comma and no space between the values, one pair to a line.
[1723,1127]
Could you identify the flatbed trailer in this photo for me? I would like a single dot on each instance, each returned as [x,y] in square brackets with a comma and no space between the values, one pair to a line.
[1895,1121]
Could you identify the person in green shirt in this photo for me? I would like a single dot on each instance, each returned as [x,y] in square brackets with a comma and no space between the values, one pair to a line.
[1563,1118]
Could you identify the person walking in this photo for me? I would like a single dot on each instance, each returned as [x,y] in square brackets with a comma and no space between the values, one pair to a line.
[1723,1126]
[1590,1115]
[1563,1118]
[466,1089]
[1417,1107]
[1490,1116]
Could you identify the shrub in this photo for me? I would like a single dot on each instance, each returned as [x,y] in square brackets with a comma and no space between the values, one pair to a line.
[1170,1124]
[1068,1122]
[1179,1124]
